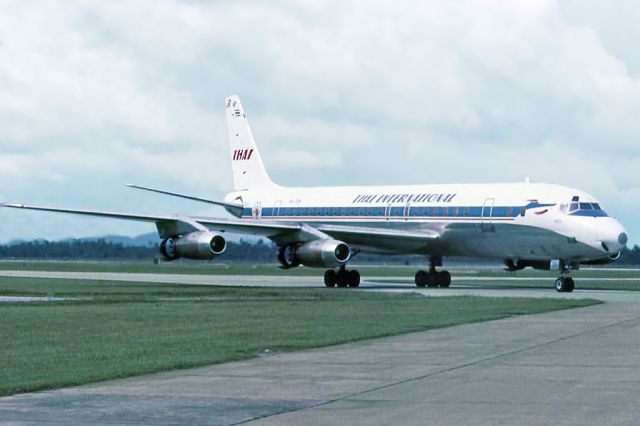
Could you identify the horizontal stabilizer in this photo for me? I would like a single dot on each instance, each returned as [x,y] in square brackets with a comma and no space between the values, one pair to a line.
[235,209]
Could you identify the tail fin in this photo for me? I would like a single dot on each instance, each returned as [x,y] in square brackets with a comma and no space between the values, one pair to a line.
[246,162]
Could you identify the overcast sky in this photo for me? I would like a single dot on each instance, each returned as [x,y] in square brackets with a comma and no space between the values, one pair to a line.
[96,94]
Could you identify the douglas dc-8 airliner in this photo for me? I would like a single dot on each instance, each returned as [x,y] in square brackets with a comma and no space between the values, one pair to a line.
[524,224]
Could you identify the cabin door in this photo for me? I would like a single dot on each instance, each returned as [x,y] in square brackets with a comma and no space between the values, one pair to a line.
[486,219]
[257,211]
[387,212]
[276,209]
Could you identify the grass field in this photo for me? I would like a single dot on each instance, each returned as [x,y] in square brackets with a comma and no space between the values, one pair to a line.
[122,329]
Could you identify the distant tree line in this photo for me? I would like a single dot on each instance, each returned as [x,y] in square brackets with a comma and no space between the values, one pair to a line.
[629,256]
[105,250]
[243,251]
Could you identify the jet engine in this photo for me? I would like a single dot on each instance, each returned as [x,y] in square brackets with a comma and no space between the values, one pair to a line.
[325,253]
[196,246]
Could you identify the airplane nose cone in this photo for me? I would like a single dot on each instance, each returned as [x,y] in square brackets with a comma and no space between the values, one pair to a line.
[623,238]
[612,236]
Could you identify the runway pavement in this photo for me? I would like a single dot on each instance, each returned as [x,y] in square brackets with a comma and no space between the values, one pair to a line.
[572,367]
[372,283]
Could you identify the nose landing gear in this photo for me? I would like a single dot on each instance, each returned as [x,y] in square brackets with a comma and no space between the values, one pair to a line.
[564,283]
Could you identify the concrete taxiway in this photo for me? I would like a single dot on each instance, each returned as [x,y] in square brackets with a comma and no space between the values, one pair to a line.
[462,285]
[570,367]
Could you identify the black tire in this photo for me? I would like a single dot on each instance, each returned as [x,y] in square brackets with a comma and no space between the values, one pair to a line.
[342,278]
[354,278]
[445,279]
[421,278]
[433,279]
[330,278]
[560,285]
[570,285]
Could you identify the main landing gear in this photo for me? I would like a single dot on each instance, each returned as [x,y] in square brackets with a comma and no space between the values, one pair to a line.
[342,277]
[433,278]
[564,283]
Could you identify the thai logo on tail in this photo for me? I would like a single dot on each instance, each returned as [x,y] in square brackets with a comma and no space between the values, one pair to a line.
[242,154]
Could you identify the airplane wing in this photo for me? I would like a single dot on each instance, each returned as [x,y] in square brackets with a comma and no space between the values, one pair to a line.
[172,225]
[393,240]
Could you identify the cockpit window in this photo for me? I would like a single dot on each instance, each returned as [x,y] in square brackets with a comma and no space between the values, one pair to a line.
[586,209]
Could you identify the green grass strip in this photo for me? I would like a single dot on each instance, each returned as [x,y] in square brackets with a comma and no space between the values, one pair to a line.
[133,329]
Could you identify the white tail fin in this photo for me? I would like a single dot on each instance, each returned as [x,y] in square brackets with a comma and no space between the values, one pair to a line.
[246,162]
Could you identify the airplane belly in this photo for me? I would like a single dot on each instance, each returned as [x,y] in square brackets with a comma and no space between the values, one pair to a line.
[511,241]
[499,241]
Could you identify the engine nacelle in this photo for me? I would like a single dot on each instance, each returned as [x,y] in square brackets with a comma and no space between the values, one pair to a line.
[195,246]
[322,253]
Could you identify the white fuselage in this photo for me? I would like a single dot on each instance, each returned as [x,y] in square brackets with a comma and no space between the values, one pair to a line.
[527,221]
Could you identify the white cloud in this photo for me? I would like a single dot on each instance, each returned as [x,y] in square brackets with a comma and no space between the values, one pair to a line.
[102,93]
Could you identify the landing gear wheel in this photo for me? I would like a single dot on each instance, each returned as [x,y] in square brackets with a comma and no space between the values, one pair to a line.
[565,284]
[422,278]
[354,278]
[433,279]
[330,278]
[342,278]
[444,280]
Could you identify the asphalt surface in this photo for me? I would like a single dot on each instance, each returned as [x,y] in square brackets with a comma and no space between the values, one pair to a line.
[572,367]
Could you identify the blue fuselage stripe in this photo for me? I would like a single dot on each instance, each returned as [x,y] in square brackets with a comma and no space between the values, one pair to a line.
[392,212]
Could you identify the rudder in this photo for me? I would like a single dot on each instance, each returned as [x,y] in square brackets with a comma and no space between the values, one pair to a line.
[246,163]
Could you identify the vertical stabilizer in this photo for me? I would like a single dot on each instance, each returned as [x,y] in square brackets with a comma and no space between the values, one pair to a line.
[246,162]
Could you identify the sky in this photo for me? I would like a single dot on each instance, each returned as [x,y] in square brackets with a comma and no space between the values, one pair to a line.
[97,94]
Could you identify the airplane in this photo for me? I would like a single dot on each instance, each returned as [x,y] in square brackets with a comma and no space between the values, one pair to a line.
[526,224]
